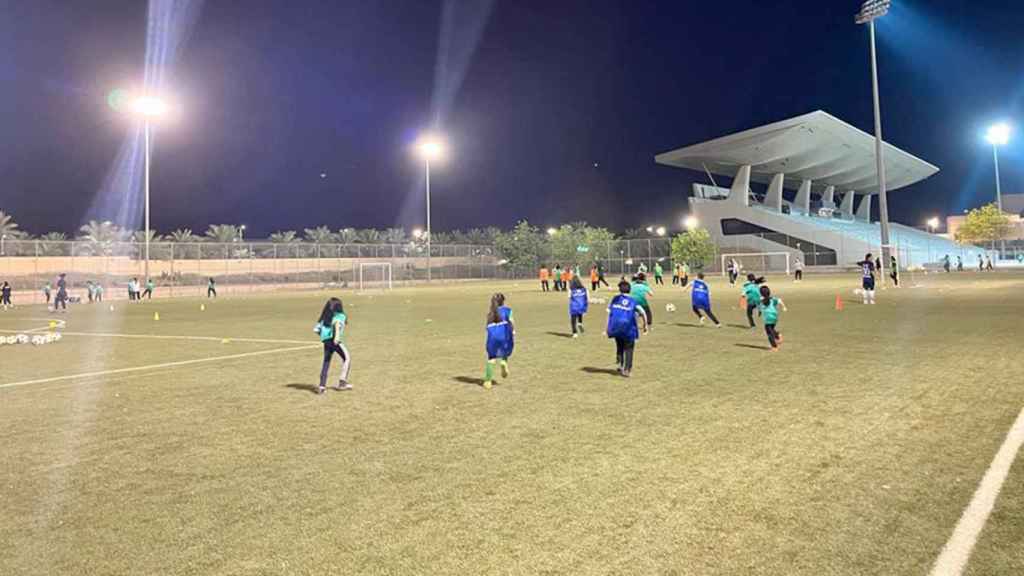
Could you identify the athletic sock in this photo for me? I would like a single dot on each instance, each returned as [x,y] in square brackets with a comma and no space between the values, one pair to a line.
[489,371]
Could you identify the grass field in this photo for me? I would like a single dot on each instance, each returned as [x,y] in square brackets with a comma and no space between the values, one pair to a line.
[852,451]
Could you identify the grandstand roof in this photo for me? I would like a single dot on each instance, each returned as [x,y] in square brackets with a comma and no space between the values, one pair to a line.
[815,146]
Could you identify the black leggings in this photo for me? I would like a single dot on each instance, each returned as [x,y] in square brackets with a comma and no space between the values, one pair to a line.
[577,319]
[61,300]
[648,314]
[799,274]
[5,299]
[750,313]
[211,292]
[773,335]
[624,353]
[697,310]
[544,286]
[601,280]
[659,280]
[330,349]
[593,286]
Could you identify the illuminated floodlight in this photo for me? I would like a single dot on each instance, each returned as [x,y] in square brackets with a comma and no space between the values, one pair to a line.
[933,223]
[872,10]
[650,229]
[552,231]
[691,222]
[660,230]
[417,233]
[149,106]
[998,134]
[430,148]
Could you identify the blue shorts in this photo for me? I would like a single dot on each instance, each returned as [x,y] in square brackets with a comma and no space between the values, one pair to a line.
[499,348]
[869,283]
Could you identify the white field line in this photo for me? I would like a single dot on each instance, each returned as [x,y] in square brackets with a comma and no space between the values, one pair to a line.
[162,337]
[158,366]
[957,551]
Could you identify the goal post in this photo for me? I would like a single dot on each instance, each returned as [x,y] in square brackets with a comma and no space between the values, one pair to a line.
[759,262]
[374,275]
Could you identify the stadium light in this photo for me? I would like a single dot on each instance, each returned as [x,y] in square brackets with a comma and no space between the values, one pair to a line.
[552,231]
[660,231]
[691,223]
[417,233]
[430,147]
[998,135]
[933,224]
[148,108]
[650,229]
[870,11]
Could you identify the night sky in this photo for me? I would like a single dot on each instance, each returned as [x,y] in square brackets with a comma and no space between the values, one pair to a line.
[554,110]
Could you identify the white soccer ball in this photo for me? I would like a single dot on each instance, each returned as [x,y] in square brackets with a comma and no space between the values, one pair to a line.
[37,341]
[670,307]
[22,338]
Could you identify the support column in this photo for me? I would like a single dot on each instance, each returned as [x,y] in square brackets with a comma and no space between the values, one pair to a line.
[828,198]
[773,199]
[864,210]
[740,191]
[847,206]
[803,197]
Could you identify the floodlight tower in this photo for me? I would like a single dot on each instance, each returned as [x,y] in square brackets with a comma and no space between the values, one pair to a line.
[870,11]
[148,108]
[998,135]
[429,147]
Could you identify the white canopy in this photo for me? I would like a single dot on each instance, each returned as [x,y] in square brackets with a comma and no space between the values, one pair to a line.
[816,146]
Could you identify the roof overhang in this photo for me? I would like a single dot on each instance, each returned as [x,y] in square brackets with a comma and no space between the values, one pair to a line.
[816,146]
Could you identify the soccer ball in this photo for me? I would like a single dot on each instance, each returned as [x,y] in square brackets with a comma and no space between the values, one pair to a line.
[670,307]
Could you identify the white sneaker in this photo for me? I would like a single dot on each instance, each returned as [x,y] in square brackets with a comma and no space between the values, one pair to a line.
[701,320]
[575,335]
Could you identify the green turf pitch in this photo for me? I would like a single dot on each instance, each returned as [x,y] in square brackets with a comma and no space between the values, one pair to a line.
[852,451]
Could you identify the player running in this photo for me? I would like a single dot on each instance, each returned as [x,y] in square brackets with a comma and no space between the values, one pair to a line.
[770,310]
[867,268]
[331,329]
[752,295]
[500,338]
[700,298]
[578,304]
[623,318]
[640,292]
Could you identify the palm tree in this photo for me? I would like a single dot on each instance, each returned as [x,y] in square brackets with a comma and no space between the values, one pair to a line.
[319,235]
[369,236]
[286,237]
[8,227]
[139,236]
[394,236]
[223,233]
[100,236]
[348,235]
[54,244]
[442,238]
[459,237]
[182,235]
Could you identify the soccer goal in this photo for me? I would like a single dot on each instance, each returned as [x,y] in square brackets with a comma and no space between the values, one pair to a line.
[374,275]
[758,262]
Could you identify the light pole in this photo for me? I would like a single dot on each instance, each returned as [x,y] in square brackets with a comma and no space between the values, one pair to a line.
[870,11]
[429,147]
[148,108]
[241,233]
[3,238]
[998,135]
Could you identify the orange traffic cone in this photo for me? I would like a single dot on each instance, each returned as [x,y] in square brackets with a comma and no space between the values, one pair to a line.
[839,303]
[743,302]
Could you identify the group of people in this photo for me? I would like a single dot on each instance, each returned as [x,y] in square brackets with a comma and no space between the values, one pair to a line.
[984,263]
[562,277]
[135,293]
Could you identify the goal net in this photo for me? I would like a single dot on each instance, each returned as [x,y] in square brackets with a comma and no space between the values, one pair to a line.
[758,262]
[374,275]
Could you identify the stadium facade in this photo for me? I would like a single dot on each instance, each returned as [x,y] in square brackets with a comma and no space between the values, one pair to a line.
[819,178]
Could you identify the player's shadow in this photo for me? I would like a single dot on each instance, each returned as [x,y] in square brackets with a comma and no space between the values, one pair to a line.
[740,326]
[560,334]
[688,325]
[469,380]
[303,387]
[753,346]
[595,370]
